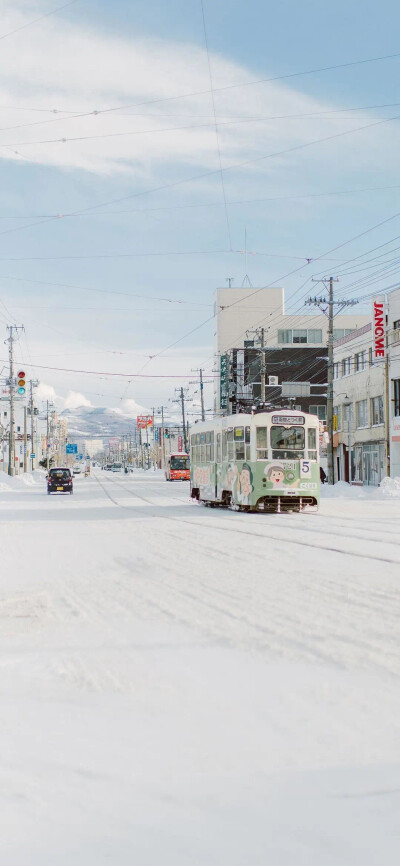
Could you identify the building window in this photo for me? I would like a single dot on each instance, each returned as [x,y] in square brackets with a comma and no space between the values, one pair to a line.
[360,361]
[337,417]
[299,335]
[338,333]
[377,410]
[362,413]
[396,325]
[284,336]
[396,383]
[336,370]
[348,413]
[319,411]
[346,366]
[314,335]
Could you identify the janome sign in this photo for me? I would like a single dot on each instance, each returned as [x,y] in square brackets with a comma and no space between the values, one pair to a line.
[378,327]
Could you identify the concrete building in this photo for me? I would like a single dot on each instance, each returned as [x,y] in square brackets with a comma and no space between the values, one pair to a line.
[360,416]
[393,348]
[239,311]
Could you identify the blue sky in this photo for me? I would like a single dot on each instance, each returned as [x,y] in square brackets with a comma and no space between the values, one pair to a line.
[147,223]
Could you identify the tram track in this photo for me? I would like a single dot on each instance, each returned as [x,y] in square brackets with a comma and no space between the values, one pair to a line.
[245,532]
[245,608]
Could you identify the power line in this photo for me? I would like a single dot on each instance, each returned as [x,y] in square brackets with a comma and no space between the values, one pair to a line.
[216,129]
[36,20]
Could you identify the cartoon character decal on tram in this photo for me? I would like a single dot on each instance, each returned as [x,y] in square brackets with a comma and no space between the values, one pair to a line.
[278,476]
[245,485]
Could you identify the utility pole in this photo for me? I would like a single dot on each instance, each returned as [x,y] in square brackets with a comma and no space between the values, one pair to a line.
[25,439]
[326,305]
[32,385]
[200,372]
[260,333]
[49,405]
[11,436]
[182,401]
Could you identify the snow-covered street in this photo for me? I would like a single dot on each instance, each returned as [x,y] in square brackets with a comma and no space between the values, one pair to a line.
[183,685]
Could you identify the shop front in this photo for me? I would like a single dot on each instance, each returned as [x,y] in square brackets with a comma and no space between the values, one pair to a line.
[369,462]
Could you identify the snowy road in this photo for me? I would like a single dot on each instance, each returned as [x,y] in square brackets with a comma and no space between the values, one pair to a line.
[183,685]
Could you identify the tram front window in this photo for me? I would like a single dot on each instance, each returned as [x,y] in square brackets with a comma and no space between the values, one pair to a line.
[287,443]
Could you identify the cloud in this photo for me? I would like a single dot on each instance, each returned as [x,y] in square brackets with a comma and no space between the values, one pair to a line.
[70,68]
[74,400]
[45,392]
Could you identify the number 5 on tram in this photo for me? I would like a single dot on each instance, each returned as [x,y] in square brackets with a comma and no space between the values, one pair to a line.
[267,462]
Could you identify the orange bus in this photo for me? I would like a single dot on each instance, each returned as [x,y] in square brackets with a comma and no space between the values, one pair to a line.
[177,467]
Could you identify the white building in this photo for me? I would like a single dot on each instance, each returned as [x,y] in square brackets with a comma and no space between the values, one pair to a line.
[393,334]
[238,310]
[359,409]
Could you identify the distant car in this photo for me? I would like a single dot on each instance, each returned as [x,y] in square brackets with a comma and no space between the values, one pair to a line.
[59,480]
[108,467]
[116,467]
[77,470]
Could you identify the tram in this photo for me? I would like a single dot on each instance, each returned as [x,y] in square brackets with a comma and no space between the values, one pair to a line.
[177,467]
[265,462]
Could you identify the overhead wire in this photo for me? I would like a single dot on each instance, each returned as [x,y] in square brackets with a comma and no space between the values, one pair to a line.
[36,20]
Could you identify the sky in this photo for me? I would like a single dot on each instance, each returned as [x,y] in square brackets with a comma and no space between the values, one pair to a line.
[141,142]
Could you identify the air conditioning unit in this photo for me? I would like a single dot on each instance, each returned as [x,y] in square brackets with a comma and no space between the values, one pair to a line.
[273,380]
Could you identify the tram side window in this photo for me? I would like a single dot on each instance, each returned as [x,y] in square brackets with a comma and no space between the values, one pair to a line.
[312,444]
[209,446]
[231,444]
[262,443]
[224,446]
[247,441]
[287,442]
[218,449]
[239,443]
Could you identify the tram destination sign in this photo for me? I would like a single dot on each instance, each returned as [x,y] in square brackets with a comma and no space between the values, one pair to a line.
[288,419]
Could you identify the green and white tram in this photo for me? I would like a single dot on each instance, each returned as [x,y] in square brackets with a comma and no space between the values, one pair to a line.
[263,462]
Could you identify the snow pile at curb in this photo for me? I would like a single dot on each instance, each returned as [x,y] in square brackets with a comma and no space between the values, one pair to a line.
[10,484]
[343,490]
[390,487]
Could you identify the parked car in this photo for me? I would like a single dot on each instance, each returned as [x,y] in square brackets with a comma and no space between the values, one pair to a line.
[59,480]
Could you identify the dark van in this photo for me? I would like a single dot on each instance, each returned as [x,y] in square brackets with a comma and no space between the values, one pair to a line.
[60,481]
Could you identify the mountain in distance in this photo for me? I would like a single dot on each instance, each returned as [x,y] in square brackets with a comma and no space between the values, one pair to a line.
[92,422]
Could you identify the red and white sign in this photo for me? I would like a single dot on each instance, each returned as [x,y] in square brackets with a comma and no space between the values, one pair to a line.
[378,327]
[180,444]
[144,421]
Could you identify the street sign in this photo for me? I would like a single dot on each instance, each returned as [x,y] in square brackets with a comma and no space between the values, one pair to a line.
[224,381]
[71,449]
[33,455]
[144,421]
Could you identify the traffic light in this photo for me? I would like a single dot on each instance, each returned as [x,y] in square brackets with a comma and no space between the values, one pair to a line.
[21,382]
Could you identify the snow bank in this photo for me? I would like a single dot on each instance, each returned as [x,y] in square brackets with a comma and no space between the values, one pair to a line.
[13,484]
[390,487]
[343,490]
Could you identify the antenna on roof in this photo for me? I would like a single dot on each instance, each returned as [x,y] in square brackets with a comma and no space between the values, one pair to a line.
[246,279]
